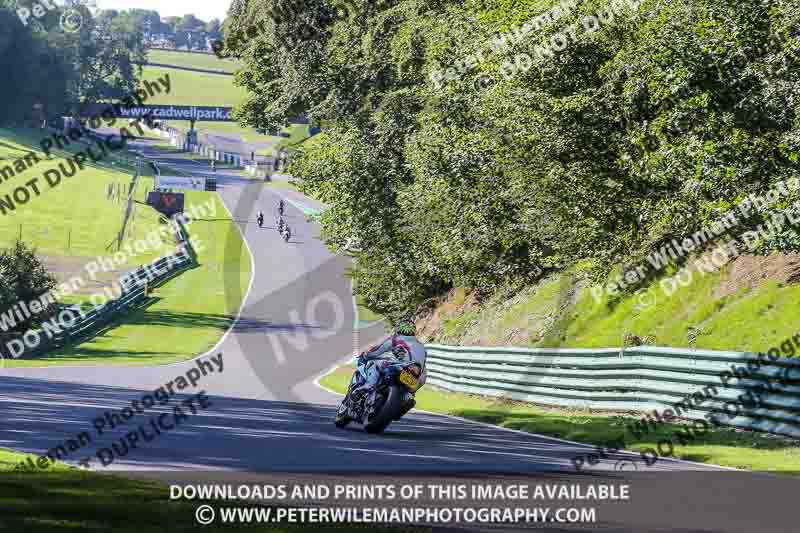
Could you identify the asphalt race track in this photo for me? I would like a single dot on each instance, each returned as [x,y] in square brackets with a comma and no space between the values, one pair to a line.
[266,417]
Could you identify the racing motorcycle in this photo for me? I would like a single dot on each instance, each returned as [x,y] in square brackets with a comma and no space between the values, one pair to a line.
[391,398]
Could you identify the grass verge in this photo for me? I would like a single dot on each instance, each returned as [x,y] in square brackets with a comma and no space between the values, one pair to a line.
[185,317]
[727,447]
[714,312]
[281,184]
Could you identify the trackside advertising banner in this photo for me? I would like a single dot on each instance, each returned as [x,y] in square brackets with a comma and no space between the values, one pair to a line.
[174,182]
[166,112]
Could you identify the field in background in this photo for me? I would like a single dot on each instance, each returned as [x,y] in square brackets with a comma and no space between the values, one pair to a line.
[196,88]
[75,218]
[184,59]
[186,316]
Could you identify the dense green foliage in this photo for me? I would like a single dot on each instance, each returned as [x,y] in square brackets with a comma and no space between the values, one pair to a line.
[35,74]
[23,278]
[186,31]
[56,71]
[634,134]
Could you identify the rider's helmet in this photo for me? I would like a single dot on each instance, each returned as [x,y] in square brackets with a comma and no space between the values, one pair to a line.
[407,328]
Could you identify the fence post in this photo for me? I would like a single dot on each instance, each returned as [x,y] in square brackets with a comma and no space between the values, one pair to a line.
[69,238]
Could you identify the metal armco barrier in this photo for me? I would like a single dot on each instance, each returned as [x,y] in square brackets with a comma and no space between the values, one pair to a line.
[100,316]
[634,379]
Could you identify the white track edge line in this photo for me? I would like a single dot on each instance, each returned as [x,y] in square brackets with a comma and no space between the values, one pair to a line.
[546,437]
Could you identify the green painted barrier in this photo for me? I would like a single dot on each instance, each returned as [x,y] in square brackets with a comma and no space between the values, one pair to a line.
[737,389]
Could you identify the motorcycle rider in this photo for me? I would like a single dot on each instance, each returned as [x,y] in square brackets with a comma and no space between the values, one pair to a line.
[260,219]
[404,347]
[280,225]
[281,207]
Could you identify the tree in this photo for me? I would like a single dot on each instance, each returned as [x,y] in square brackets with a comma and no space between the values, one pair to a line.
[190,23]
[40,71]
[632,133]
[106,58]
[213,26]
[23,277]
[105,16]
[172,22]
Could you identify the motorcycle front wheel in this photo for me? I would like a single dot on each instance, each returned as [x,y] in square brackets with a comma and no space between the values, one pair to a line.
[341,414]
[391,407]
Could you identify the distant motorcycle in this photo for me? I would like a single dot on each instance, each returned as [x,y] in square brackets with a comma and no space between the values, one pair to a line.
[287,234]
[390,400]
